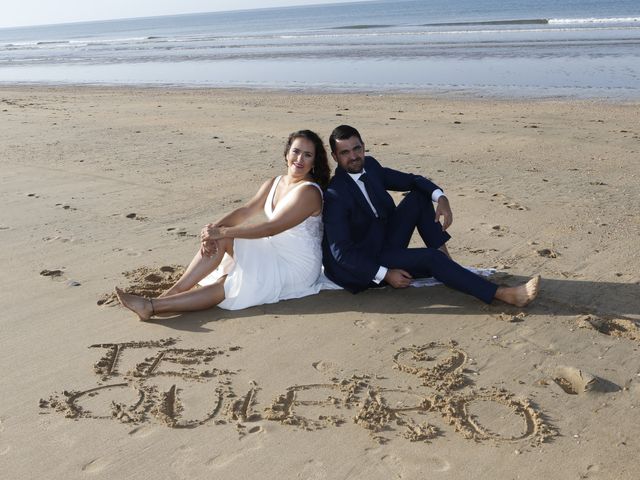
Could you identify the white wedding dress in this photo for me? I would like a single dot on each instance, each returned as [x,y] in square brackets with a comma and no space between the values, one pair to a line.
[270,269]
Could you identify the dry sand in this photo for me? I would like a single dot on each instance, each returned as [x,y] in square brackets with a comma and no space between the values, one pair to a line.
[104,187]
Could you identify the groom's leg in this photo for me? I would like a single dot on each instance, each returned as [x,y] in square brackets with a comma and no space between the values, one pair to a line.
[430,262]
[414,211]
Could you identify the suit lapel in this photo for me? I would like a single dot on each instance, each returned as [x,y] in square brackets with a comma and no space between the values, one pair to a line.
[355,191]
[375,177]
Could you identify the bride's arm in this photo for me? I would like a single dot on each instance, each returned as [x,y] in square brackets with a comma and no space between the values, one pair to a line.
[303,202]
[248,210]
[208,244]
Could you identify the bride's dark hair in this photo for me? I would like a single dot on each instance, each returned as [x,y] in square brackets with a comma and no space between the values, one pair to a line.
[321,170]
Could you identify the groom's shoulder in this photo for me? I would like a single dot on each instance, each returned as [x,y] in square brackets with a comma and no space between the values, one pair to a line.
[335,182]
[370,162]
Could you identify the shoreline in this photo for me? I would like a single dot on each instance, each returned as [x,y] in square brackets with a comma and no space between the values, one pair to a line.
[437,93]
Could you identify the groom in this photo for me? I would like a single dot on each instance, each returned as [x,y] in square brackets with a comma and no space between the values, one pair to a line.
[366,236]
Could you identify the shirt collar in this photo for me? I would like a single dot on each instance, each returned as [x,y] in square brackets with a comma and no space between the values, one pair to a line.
[356,176]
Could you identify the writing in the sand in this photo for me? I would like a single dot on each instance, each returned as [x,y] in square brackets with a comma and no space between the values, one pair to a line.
[167,384]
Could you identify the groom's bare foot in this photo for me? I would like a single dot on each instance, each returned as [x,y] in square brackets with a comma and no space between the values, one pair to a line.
[521,295]
[138,305]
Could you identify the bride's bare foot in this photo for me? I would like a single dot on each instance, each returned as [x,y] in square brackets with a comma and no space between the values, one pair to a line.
[138,305]
[521,295]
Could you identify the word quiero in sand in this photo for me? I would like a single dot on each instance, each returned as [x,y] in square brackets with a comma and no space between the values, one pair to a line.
[444,390]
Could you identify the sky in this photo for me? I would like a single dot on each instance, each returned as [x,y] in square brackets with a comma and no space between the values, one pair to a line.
[18,13]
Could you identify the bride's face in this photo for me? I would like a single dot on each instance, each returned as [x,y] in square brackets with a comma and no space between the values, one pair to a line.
[300,157]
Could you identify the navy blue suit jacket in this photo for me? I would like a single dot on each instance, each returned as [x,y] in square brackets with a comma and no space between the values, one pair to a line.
[353,236]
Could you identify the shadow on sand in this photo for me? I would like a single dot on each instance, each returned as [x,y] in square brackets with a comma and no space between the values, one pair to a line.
[557,297]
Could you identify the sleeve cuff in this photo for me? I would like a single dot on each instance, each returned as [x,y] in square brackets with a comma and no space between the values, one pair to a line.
[382,272]
[435,196]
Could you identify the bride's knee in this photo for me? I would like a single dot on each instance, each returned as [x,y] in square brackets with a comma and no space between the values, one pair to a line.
[225,245]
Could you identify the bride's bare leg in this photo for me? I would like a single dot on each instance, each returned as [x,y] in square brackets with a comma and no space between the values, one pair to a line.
[200,267]
[191,301]
[520,295]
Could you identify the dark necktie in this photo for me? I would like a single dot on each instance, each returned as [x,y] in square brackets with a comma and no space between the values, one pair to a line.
[371,191]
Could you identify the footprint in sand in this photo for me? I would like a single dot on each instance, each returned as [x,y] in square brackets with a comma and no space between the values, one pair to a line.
[498,230]
[575,381]
[135,216]
[509,203]
[482,251]
[401,332]
[547,253]
[616,327]
[515,206]
[370,324]
[183,233]
[57,275]
[508,317]
[314,470]
[66,207]
[327,368]
[51,273]
[415,468]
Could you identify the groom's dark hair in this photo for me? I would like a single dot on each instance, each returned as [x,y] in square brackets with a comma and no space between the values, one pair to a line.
[343,132]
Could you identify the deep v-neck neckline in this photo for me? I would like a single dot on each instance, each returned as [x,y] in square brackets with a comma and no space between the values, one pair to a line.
[273,195]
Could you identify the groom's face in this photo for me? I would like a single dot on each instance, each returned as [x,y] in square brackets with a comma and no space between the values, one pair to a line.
[350,154]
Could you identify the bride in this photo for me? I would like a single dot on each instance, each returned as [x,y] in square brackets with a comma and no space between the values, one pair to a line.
[240,264]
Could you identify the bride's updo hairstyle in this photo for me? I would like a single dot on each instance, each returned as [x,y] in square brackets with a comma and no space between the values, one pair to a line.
[321,170]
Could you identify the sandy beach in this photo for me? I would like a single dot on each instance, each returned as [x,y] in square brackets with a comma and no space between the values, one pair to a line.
[110,186]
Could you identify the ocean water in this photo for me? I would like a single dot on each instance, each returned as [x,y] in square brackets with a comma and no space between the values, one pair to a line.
[575,48]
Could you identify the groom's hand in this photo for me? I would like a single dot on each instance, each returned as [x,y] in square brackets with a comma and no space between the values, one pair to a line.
[444,210]
[398,278]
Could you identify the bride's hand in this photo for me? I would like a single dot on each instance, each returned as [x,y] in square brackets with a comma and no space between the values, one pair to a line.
[208,237]
[208,248]
[213,232]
